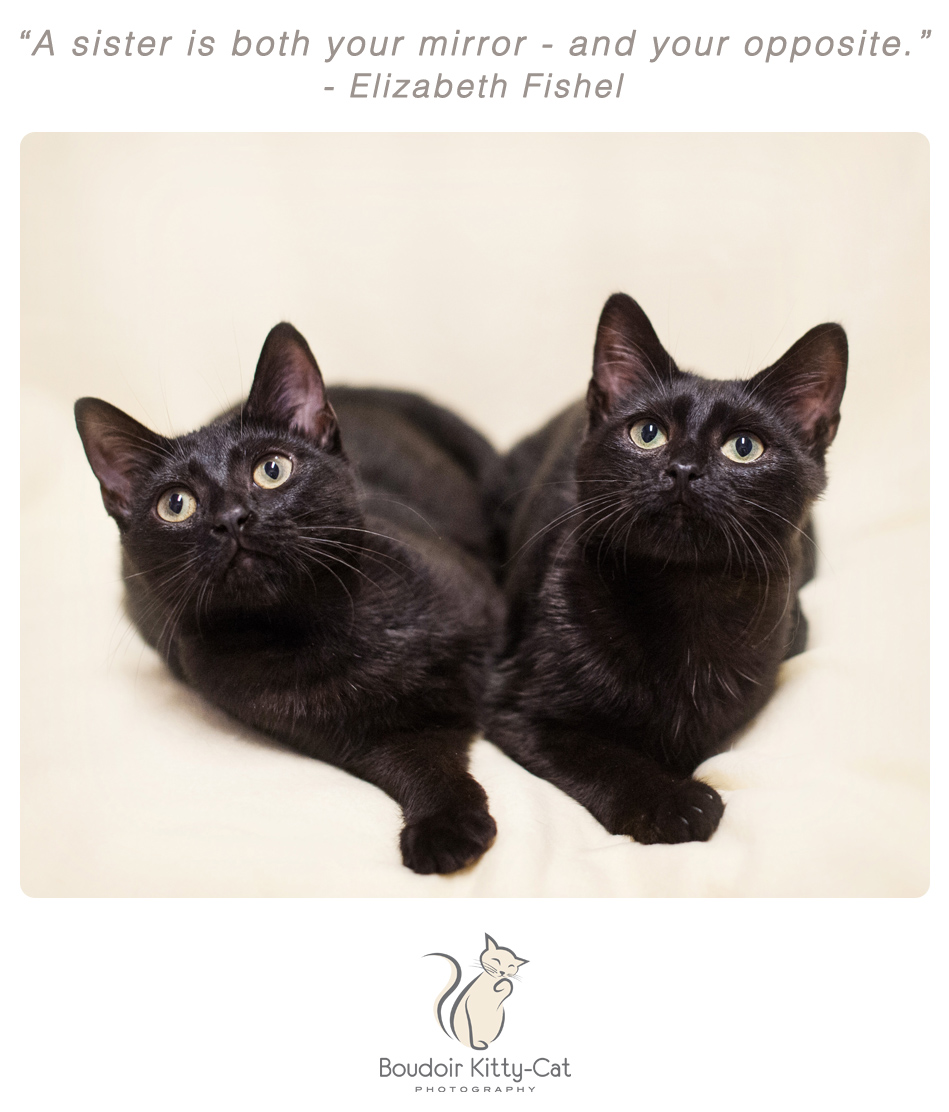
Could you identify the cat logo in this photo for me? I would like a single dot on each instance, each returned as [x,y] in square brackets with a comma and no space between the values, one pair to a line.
[477,1015]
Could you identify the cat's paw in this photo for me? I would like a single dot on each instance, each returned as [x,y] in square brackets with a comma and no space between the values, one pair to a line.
[446,841]
[688,811]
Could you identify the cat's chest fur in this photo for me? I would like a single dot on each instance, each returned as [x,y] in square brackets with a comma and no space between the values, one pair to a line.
[333,670]
[674,663]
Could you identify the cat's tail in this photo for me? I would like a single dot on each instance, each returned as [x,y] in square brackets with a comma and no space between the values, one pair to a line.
[448,990]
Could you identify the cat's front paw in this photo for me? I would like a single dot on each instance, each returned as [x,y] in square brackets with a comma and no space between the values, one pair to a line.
[446,841]
[685,811]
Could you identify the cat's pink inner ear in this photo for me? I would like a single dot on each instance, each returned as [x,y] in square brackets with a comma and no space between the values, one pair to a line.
[808,382]
[627,355]
[288,388]
[118,448]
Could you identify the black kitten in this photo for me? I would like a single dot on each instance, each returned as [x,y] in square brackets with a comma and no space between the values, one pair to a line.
[340,601]
[658,537]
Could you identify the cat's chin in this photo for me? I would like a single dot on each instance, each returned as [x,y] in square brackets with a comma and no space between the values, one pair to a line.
[245,561]
[251,578]
[675,534]
[246,566]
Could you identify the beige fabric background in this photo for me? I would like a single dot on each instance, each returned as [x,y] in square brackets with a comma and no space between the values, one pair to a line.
[471,267]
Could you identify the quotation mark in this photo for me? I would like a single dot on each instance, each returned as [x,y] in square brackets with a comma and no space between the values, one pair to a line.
[926,34]
[26,34]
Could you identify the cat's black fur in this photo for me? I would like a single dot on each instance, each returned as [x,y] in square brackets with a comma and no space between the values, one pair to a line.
[349,611]
[653,591]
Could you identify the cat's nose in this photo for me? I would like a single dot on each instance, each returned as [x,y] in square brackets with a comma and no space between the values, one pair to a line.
[682,474]
[231,519]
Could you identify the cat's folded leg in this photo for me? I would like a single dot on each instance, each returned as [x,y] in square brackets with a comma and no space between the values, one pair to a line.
[447,823]
[625,790]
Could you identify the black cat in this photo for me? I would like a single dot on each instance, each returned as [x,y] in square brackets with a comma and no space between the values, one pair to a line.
[658,536]
[341,601]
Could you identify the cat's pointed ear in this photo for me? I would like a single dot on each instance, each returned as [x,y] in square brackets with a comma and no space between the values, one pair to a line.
[521,961]
[288,389]
[119,449]
[489,943]
[807,383]
[627,354]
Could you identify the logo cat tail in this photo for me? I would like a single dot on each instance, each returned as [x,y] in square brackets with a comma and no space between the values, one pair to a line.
[448,990]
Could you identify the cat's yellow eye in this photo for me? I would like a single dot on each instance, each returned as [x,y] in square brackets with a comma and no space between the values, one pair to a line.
[648,434]
[176,505]
[273,471]
[743,448]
